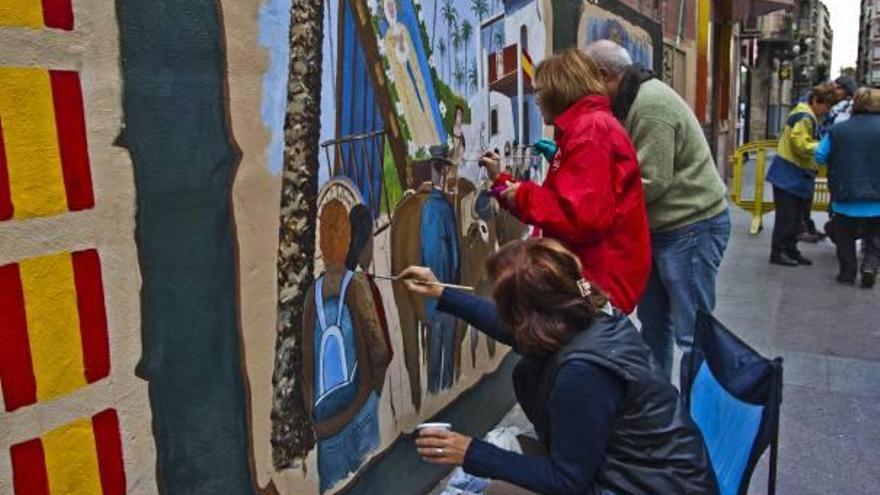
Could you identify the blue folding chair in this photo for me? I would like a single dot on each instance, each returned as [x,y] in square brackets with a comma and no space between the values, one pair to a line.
[734,396]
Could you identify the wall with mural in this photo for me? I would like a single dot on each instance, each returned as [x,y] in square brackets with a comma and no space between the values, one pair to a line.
[199,204]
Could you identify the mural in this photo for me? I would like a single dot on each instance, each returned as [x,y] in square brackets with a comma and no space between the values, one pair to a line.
[598,24]
[200,204]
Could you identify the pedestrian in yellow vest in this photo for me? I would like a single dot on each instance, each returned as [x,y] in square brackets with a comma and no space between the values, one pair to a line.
[793,173]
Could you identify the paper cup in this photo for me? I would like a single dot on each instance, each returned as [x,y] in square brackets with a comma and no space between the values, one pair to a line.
[434,426]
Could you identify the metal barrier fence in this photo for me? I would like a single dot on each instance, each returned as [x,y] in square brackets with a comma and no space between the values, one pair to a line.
[755,153]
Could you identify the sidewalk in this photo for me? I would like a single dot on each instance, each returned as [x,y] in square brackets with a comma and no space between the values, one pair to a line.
[829,336]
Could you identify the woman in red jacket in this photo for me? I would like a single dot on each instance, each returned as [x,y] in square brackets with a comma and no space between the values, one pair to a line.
[591,199]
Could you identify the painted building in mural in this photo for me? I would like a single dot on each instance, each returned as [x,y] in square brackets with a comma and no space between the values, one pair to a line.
[189,306]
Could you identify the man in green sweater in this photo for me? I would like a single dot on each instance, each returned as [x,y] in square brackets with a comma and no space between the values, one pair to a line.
[684,196]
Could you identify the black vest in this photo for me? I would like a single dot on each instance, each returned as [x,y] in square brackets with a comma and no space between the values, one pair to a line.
[854,164]
[655,448]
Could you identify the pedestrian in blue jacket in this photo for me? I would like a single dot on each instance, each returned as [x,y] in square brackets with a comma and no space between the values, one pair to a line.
[853,158]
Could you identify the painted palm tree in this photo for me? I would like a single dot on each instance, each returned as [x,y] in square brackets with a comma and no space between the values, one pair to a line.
[441,47]
[473,80]
[292,430]
[456,48]
[459,75]
[434,26]
[467,33]
[450,16]
[480,8]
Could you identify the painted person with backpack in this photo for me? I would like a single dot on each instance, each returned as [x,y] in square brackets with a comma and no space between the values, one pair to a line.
[606,421]
[793,174]
[345,350]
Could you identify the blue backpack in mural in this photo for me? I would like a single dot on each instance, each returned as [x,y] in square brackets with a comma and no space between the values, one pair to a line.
[335,350]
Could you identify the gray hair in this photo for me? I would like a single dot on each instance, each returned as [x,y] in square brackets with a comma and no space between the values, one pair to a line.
[609,55]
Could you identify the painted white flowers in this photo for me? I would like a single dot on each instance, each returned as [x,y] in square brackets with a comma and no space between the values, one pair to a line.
[431,62]
[389,75]
[373,5]
[380,44]
[442,109]
[399,108]
[412,149]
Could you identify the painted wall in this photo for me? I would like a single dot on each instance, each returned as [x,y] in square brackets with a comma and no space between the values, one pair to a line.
[156,336]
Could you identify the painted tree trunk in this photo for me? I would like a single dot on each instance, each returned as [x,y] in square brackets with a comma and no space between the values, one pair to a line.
[292,430]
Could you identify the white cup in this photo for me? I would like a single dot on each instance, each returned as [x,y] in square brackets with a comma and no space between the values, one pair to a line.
[434,426]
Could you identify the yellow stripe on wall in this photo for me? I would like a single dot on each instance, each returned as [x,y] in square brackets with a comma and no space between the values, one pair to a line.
[53,324]
[25,13]
[72,459]
[33,158]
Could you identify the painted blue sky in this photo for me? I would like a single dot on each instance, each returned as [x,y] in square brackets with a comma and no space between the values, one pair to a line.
[439,30]
[274,32]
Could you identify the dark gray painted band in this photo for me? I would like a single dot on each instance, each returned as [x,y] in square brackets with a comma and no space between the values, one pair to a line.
[184,160]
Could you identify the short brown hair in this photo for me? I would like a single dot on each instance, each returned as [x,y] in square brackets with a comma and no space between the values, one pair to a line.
[866,100]
[566,77]
[824,93]
[537,294]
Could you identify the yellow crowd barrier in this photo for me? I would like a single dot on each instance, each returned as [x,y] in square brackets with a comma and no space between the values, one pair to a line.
[756,205]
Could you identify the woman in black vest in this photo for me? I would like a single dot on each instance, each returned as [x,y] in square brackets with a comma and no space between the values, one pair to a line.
[606,422]
[850,150]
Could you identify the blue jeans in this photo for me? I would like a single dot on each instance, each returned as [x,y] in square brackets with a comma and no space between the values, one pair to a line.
[346,451]
[441,352]
[682,281]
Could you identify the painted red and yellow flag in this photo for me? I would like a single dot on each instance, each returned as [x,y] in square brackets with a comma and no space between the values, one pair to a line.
[37,14]
[44,159]
[53,326]
[80,457]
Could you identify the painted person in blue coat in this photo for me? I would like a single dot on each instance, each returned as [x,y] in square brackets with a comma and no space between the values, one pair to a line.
[853,158]
[606,421]
[440,252]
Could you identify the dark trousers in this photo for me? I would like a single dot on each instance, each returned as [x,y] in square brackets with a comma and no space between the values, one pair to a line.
[789,217]
[808,225]
[846,231]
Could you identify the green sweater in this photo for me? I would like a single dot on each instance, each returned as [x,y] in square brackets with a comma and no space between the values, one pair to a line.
[682,185]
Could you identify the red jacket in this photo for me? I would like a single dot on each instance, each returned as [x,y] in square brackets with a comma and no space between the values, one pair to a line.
[591,200]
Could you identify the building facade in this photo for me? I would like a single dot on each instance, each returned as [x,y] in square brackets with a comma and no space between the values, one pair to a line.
[868,69]
[815,39]
[766,84]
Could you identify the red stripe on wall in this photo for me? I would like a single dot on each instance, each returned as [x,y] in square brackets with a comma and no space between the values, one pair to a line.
[29,474]
[16,367]
[106,427]
[6,208]
[58,14]
[71,124]
[92,314]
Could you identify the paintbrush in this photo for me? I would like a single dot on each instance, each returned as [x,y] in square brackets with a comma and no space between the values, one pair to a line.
[420,282]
